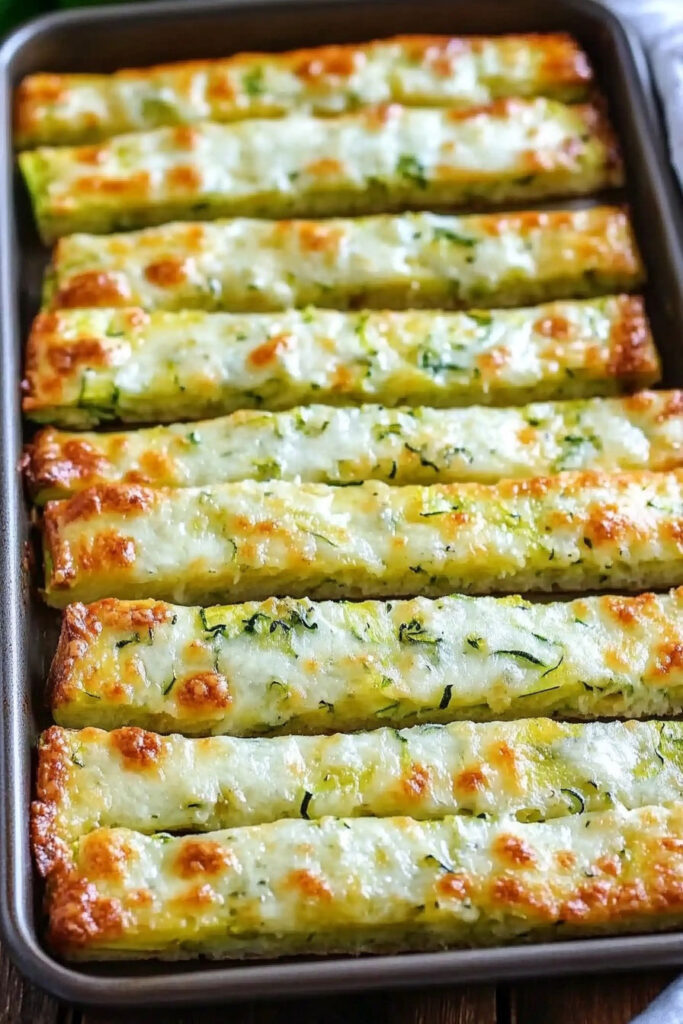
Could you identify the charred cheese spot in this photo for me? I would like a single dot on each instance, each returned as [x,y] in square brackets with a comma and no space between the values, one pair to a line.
[135,185]
[609,865]
[491,363]
[93,288]
[326,167]
[168,273]
[606,524]
[203,692]
[377,116]
[415,783]
[674,530]
[514,850]
[629,610]
[184,178]
[221,88]
[198,897]
[268,352]
[154,466]
[139,749]
[185,136]
[105,854]
[202,857]
[328,62]
[503,107]
[126,615]
[668,659]
[536,487]
[673,407]
[556,327]
[312,236]
[310,886]
[139,898]
[83,352]
[512,892]
[470,780]
[454,886]
[91,154]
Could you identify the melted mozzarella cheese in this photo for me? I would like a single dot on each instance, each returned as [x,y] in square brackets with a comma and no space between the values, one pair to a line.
[415,70]
[346,446]
[248,540]
[367,885]
[298,667]
[533,770]
[370,162]
[399,261]
[92,365]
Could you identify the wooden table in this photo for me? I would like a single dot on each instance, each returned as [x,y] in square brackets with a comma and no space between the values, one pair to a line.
[607,999]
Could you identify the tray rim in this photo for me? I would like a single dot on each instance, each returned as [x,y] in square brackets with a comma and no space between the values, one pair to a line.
[246,979]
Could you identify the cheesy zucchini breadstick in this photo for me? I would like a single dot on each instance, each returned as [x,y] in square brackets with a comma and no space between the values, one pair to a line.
[374,161]
[401,261]
[294,666]
[251,539]
[88,366]
[532,770]
[345,446]
[366,885]
[418,70]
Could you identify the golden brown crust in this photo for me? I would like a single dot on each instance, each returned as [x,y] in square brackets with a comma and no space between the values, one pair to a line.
[125,499]
[80,624]
[79,916]
[83,623]
[108,549]
[54,764]
[49,462]
[632,352]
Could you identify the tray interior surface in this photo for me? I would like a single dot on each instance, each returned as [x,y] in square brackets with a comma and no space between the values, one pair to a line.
[109,38]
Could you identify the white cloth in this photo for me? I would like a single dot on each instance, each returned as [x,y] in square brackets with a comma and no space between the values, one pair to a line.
[659,23]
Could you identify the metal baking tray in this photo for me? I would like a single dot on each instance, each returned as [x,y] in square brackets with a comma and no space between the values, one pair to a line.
[107,38]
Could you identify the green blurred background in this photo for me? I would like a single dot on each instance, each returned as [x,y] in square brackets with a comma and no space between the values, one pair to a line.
[13,12]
